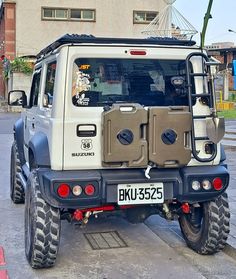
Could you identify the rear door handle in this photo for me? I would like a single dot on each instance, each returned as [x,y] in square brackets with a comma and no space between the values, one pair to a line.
[86,130]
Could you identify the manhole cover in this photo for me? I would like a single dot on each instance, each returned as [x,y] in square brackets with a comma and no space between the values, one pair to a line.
[105,240]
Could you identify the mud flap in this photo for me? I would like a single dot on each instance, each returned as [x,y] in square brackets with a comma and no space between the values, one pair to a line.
[169,136]
[124,133]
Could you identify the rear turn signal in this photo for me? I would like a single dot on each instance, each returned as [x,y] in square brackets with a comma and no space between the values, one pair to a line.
[63,190]
[89,190]
[217,184]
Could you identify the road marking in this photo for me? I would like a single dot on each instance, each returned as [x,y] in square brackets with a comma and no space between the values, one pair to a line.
[3,274]
[2,259]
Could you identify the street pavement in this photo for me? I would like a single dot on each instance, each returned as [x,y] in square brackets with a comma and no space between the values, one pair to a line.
[229,140]
[154,249]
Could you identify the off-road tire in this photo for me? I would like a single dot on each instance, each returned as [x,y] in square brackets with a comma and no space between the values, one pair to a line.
[211,236]
[17,192]
[42,227]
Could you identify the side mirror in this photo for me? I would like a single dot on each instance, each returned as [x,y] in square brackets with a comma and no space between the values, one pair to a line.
[17,98]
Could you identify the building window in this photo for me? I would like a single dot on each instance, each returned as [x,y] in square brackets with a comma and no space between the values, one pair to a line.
[82,14]
[61,14]
[49,13]
[68,14]
[75,14]
[144,17]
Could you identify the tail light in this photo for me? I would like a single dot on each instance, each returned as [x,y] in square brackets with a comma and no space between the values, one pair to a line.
[217,184]
[206,185]
[63,190]
[196,185]
[89,189]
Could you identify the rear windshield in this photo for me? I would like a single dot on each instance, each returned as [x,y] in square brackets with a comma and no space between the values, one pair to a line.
[99,82]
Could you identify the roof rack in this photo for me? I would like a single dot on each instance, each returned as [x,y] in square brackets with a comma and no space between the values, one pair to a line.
[83,39]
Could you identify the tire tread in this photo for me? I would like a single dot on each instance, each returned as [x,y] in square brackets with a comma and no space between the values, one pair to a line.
[213,238]
[47,229]
[17,189]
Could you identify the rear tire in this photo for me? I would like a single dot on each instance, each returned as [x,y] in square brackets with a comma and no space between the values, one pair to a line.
[42,227]
[17,192]
[211,234]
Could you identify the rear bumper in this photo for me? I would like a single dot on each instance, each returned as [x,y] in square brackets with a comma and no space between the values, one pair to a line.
[177,184]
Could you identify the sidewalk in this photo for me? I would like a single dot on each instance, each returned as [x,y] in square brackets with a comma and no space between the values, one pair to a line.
[229,143]
[229,140]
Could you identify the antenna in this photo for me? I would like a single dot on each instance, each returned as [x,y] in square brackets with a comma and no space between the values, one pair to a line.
[170,23]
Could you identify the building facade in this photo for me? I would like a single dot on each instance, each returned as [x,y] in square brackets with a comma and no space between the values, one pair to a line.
[27,26]
[220,45]
[226,56]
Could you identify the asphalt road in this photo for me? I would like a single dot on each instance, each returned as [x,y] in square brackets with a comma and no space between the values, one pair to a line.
[154,249]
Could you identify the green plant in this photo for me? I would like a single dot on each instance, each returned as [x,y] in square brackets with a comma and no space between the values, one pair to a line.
[17,65]
[21,65]
[228,114]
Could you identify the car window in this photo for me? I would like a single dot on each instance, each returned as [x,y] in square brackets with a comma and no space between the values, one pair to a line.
[34,93]
[101,81]
[49,85]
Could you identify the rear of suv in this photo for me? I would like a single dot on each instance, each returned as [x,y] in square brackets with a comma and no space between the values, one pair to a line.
[119,125]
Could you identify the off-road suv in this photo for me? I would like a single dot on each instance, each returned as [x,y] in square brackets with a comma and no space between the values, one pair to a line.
[119,125]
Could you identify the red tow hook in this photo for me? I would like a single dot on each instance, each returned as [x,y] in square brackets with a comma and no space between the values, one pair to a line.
[185,208]
[78,215]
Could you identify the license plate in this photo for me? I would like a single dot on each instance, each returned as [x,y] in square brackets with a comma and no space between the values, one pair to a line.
[142,193]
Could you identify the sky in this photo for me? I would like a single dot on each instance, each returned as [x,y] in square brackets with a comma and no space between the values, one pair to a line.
[223,18]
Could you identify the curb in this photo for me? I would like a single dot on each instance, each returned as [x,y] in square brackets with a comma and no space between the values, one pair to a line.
[231,137]
[230,251]
[230,147]
[229,132]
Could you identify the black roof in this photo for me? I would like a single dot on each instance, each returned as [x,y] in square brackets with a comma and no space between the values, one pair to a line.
[83,39]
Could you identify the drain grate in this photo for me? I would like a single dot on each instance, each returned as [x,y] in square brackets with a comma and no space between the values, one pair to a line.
[105,240]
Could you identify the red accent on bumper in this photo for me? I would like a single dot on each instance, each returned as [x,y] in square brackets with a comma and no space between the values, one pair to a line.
[185,208]
[78,215]
[101,208]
